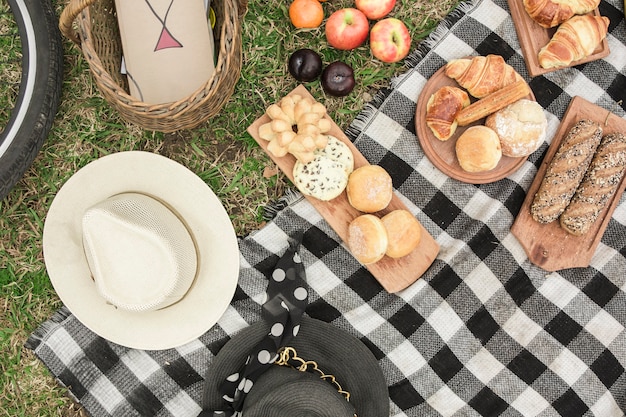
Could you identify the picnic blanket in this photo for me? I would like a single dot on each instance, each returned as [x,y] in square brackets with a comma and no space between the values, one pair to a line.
[483,332]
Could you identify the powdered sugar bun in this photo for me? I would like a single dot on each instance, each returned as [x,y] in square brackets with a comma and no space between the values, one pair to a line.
[403,233]
[367,238]
[369,188]
[521,127]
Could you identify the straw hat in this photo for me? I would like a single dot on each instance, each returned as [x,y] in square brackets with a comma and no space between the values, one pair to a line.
[141,251]
[283,390]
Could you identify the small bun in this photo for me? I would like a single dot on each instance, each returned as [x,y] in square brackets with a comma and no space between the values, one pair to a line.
[403,233]
[478,149]
[369,188]
[367,238]
[521,127]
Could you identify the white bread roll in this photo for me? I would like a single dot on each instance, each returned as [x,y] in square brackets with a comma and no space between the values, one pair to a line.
[403,233]
[521,127]
[367,238]
[369,188]
[478,149]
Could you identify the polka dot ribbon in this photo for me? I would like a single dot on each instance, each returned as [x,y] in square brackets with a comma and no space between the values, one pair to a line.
[286,301]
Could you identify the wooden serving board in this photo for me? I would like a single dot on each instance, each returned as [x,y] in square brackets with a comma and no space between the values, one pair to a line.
[393,274]
[442,153]
[532,37]
[548,245]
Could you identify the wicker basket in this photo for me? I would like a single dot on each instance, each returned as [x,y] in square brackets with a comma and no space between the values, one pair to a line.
[92,24]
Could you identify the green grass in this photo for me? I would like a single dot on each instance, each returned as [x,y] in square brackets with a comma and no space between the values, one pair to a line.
[219,151]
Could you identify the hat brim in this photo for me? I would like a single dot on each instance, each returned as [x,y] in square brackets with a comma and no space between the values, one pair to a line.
[195,204]
[335,351]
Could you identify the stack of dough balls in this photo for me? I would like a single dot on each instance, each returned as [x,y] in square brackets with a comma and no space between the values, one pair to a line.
[298,126]
[370,237]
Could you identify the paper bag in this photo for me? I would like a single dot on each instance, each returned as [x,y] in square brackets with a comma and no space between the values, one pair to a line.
[168,48]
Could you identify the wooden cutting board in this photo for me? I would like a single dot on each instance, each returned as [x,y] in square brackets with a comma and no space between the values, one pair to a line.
[548,245]
[393,274]
[532,37]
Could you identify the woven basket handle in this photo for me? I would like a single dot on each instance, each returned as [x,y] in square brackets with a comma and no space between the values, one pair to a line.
[69,15]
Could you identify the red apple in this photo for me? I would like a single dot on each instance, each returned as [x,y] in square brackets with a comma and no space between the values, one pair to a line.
[375,9]
[347,29]
[390,40]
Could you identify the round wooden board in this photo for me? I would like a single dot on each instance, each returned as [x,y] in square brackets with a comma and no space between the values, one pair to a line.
[442,153]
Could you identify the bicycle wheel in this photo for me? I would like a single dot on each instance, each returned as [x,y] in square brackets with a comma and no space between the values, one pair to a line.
[31,76]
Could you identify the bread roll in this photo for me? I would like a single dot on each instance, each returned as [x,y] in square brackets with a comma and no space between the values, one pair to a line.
[442,108]
[478,149]
[521,127]
[493,102]
[565,171]
[369,188]
[403,233]
[598,185]
[367,238]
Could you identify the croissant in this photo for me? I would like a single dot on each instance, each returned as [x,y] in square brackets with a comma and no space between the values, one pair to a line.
[482,75]
[442,108]
[551,13]
[575,39]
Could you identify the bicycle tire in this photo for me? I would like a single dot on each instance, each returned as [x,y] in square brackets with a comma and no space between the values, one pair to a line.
[39,93]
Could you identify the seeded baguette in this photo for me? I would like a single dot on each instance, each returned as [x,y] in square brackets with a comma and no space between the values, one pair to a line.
[598,185]
[493,102]
[566,171]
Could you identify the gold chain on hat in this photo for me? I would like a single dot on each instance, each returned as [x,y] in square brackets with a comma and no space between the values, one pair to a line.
[288,356]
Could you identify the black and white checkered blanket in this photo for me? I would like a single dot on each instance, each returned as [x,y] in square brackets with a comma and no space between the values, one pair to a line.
[484,332]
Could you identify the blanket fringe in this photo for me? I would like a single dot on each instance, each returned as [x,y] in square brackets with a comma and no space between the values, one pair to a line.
[442,29]
[272,209]
[358,123]
[35,339]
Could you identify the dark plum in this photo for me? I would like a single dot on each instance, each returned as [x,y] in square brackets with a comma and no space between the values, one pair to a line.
[338,79]
[305,65]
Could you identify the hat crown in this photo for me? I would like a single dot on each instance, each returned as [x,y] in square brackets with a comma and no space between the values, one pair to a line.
[141,255]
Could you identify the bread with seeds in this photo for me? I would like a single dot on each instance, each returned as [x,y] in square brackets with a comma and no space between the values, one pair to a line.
[566,171]
[598,185]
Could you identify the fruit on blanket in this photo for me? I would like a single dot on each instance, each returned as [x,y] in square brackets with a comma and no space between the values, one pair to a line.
[338,79]
[375,9]
[306,13]
[305,65]
[347,28]
[390,40]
